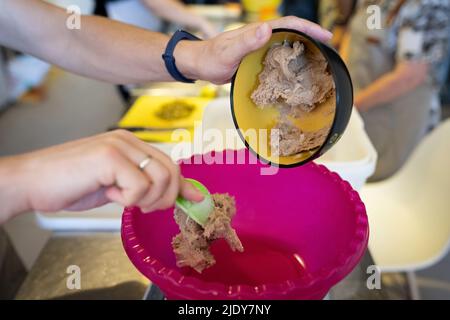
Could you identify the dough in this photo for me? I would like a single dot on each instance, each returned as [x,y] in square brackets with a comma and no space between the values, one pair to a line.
[295,80]
[191,245]
[294,77]
[290,140]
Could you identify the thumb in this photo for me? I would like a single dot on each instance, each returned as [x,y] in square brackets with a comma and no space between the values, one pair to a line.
[189,192]
[250,40]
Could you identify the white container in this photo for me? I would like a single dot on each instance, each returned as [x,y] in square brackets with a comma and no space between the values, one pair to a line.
[353,158]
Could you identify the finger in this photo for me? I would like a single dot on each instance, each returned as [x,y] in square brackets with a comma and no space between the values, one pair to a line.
[161,179]
[236,32]
[159,176]
[125,183]
[189,191]
[247,40]
[167,200]
[169,197]
[173,189]
[163,158]
[308,27]
[168,192]
[186,190]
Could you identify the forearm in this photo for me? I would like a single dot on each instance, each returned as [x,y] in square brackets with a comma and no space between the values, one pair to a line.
[391,86]
[174,11]
[101,49]
[117,53]
[13,197]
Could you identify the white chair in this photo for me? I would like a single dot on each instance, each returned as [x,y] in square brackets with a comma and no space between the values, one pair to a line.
[409,213]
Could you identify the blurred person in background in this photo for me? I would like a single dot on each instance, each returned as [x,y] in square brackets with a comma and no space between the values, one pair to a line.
[397,71]
[332,15]
[147,13]
[327,13]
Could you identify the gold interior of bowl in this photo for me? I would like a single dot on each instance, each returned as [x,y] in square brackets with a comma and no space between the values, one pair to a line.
[249,116]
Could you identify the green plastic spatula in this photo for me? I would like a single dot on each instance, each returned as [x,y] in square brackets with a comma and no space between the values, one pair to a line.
[197,211]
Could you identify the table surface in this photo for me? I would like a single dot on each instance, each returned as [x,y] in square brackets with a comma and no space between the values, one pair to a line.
[107,273]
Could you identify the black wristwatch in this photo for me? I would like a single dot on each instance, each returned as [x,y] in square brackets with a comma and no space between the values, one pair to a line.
[169,59]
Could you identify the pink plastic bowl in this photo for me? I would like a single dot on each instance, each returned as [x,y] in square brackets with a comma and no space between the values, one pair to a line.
[303,229]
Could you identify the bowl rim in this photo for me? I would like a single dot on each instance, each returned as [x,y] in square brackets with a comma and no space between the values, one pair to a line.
[153,269]
[321,46]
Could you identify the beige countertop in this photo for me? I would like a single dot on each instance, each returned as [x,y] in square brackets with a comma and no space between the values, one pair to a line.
[105,270]
[107,273]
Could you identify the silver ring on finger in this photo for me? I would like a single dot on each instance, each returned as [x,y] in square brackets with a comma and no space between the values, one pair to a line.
[145,163]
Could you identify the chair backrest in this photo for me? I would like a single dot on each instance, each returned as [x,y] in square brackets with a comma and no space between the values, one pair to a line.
[428,168]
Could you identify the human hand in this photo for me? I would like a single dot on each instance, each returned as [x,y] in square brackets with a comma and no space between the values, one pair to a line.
[216,60]
[90,172]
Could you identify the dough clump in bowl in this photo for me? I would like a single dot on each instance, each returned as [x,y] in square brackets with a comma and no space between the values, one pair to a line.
[191,245]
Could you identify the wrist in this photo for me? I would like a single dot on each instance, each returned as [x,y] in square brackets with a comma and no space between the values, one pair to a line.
[13,189]
[186,56]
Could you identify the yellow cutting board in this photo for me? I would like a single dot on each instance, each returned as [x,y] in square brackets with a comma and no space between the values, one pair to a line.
[158,112]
